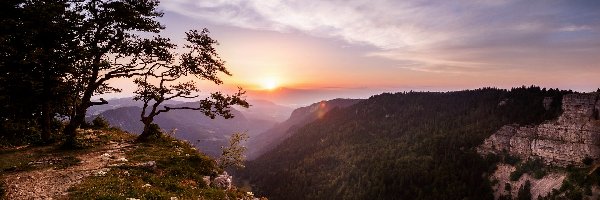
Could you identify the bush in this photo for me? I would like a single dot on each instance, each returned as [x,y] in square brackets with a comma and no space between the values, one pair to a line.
[100,123]
[534,167]
[514,176]
[588,161]
[525,192]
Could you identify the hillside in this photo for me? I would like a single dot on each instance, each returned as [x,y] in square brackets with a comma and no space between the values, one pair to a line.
[206,134]
[265,110]
[111,166]
[269,139]
[417,145]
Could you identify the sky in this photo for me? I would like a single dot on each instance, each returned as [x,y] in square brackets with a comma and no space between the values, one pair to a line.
[296,52]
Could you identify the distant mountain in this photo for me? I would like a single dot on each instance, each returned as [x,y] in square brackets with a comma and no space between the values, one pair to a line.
[296,97]
[118,103]
[299,117]
[266,110]
[207,134]
[417,145]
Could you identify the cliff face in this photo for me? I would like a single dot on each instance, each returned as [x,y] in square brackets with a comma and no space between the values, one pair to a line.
[574,136]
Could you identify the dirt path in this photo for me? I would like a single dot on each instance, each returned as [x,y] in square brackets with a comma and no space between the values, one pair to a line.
[54,183]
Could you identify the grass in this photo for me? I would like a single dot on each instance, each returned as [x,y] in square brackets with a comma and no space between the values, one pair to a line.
[35,158]
[178,172]
[40,157]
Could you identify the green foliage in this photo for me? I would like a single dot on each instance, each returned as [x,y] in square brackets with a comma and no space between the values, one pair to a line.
[233,155]
[510,159]
[33,63]
[15,133]
[416,145]
[588,161]
[100,123]
[525,191]
[535,167]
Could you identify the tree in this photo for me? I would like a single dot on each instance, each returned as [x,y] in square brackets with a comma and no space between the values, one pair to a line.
[200,62]
[525,191]
[111,48]
[233,155]
[36,53]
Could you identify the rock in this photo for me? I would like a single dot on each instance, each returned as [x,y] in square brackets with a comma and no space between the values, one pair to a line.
[222,181]
[206,180]
[149,164]
[105,156]
[539,187]
[122,160]
[101,173]
[574,136]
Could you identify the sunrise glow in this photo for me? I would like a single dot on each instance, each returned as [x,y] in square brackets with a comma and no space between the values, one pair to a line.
[269,84]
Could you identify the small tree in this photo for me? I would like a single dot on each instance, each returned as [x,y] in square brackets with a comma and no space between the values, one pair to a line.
[525,192]
[200,62]
[233,155]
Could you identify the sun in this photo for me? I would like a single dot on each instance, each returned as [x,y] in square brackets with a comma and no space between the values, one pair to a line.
[269,84]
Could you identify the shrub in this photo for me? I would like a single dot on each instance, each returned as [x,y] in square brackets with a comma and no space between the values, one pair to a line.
[588,161]
[233,155]
[514,176]
[507,187]
[100,123]
[525,192]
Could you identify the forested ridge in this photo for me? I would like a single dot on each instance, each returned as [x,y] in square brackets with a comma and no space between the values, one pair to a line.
[415,145]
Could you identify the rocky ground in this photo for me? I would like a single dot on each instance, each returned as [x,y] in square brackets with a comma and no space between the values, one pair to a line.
[53,183]
[539,187]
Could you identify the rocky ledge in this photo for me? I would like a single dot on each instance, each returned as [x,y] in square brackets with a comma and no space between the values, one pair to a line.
[570,140]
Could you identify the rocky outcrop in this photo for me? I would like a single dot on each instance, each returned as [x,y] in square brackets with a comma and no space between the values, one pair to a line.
[570,139]
[223,181]
[503,186]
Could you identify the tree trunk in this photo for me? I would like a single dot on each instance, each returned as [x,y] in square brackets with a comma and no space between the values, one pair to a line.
[71,129]
[76,121]
[46,122]
[147,133]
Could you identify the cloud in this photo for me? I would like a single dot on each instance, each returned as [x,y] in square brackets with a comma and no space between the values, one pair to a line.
[462,35]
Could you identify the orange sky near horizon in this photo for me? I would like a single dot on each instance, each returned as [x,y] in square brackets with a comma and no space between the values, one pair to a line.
[360,48]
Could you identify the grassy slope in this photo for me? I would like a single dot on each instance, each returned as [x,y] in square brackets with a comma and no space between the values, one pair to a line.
[178,171]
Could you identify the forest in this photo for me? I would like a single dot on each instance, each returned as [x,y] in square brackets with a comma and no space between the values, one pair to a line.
[410,145]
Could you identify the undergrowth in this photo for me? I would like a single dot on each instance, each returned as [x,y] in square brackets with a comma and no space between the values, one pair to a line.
[2,188]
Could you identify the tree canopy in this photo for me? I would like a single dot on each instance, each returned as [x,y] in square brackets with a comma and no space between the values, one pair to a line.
[56,55]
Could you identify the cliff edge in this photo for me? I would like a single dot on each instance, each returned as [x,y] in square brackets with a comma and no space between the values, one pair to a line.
[570,140]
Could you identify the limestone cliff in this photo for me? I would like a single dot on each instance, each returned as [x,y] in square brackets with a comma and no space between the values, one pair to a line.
[570,139]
